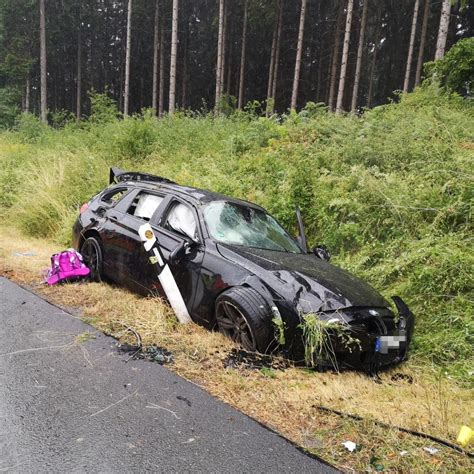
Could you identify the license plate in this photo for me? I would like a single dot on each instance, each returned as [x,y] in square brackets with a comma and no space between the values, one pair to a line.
[383,344]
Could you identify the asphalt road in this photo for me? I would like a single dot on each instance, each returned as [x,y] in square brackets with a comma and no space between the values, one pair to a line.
[68,407]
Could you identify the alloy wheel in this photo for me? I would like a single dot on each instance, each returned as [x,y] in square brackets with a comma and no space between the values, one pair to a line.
[232,323]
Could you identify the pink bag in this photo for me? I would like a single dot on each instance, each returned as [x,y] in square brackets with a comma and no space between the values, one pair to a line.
[66,265]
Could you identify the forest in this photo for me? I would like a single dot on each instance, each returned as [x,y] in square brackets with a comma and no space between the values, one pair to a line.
[272,55]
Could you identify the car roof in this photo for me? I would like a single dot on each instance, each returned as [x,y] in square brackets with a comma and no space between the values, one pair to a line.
[200,196]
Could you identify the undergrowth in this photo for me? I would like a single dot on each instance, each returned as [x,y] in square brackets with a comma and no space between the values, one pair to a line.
[390,193]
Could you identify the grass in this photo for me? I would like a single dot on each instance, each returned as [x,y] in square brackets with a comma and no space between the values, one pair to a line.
[390,193]
[434,402]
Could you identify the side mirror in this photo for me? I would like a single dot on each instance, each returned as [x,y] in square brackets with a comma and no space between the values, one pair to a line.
[322,252]
[178,253]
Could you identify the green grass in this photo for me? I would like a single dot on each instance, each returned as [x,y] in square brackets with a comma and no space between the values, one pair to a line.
[390,193]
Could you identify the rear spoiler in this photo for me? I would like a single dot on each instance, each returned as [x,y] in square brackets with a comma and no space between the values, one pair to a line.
[117,175]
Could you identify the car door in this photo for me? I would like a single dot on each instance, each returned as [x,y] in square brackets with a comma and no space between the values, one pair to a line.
[177,225]
[124,244]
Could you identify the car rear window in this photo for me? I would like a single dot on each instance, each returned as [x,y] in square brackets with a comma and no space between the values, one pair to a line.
[144,205]
[113,196]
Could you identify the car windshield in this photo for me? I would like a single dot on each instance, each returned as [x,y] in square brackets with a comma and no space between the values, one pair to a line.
[237,224]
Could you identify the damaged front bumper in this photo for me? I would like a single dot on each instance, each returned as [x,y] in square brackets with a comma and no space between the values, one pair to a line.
[377,338]
[361,338]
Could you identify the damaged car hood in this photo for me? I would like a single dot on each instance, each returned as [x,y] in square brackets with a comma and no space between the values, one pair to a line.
[312,284]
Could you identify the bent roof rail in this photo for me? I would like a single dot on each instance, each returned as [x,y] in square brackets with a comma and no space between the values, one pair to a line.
[117,175]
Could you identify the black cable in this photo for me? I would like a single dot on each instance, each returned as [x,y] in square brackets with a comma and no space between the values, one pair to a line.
[399,428]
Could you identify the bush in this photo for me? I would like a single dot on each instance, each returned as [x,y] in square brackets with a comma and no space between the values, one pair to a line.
[455,71]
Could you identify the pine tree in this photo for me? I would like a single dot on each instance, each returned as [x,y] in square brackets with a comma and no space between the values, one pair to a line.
[406,83]
[355,90]
[424,28]
[220,47]
[156,48]
[443,29]
[242,58]
[299,51]
[174,54]
[44,93]
[345,55]
[126,92]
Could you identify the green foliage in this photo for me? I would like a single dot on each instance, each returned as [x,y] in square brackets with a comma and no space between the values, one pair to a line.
[268,372]
[390,193]
[29,128]
[319,337]
[103,108]
[279,326]
[455,70]
[9,106]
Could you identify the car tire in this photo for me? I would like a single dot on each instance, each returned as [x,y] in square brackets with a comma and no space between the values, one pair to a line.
[91,252]
[243,315]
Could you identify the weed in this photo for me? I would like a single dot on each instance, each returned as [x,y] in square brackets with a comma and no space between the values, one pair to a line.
[279,326]
[319,338]
[84,337]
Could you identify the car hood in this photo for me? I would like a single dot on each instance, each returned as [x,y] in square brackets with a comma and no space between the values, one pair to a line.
[312,284]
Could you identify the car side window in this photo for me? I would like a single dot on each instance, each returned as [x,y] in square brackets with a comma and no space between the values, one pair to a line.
[113,196]
[180,219]
[144,205]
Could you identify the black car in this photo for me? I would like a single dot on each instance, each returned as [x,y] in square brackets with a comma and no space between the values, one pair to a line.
[237,270]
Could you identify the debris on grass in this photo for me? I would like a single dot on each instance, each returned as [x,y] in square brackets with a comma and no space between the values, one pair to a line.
[240,359]
[153,353]
[465,435]
[400,377]
[350,446]
[430,450]
[25,254]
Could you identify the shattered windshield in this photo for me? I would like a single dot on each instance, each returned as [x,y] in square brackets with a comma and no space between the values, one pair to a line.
[236,224]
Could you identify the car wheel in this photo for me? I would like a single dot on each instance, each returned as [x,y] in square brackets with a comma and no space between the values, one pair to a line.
[91,252]
[243,315]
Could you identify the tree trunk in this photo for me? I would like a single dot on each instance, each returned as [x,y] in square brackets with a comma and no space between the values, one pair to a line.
[424,28]
[174,50]
[277,55]
[355,90]
[299,50]
[406,83]
[161,94]
[242,58]
[156,48]
[443,29]
[44,93]
[335,57]
[224,45]
[271,69]
[230,65]
[127,60]
[345,55]
[184,82]
[79,75]
[220,46]
[27,94]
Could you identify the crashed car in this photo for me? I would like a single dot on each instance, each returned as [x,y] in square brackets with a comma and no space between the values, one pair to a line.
[234,268]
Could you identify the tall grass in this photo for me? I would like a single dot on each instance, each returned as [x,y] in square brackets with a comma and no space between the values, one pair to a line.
[390,193]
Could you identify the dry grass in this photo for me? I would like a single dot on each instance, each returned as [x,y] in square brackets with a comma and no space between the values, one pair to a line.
[284,400]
